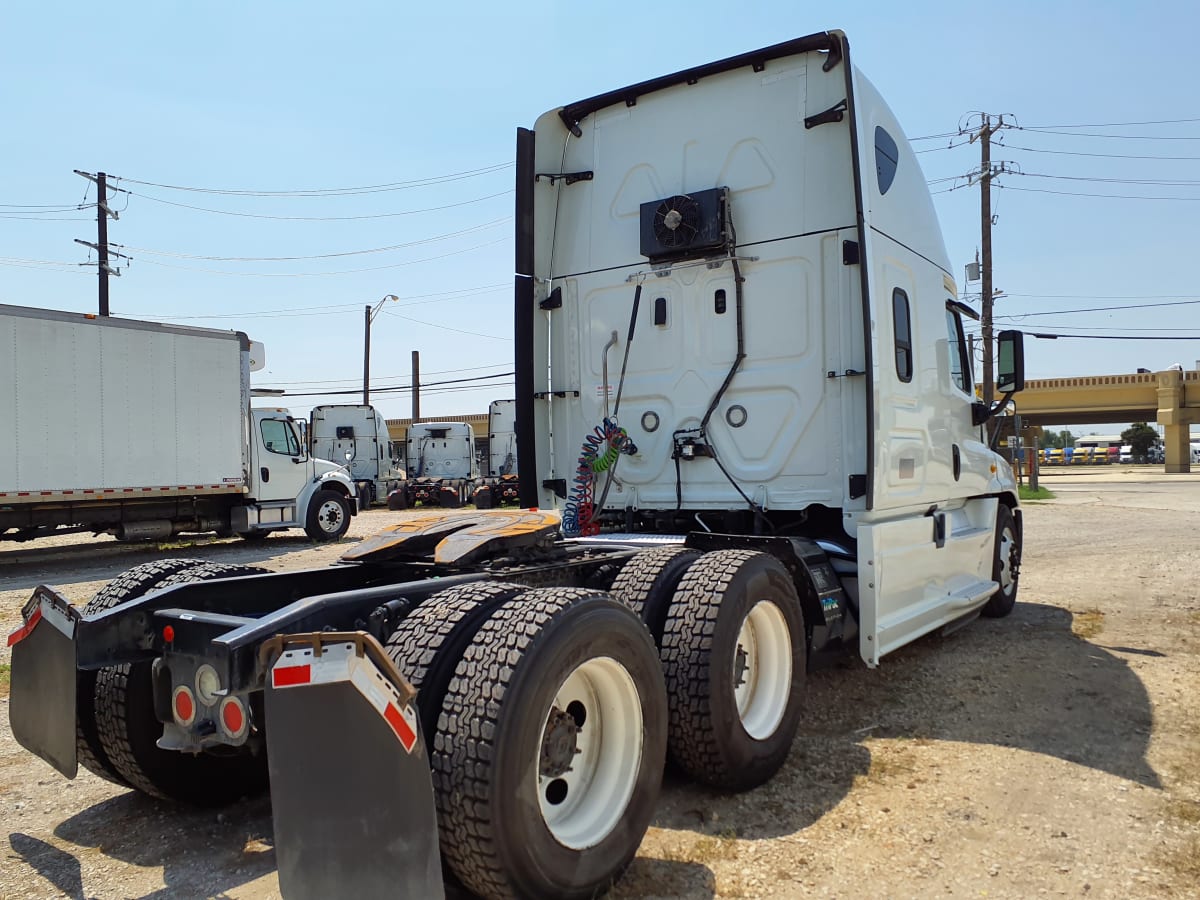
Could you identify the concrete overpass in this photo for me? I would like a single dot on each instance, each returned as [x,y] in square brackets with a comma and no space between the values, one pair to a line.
[1171,398]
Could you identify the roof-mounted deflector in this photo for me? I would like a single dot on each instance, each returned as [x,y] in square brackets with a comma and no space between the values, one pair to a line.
[829,42]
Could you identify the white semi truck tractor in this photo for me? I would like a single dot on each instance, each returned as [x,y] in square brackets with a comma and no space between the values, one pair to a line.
[747,439]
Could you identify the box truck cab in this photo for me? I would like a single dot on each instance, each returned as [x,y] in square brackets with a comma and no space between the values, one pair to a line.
[289,486]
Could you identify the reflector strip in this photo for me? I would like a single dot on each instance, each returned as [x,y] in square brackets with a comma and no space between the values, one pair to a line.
[27,629]
[404,731]
[287,676]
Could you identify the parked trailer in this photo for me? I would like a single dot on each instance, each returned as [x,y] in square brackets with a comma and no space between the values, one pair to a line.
[144,430]
[763,341]
[357,434]
[442,469]
[500,486]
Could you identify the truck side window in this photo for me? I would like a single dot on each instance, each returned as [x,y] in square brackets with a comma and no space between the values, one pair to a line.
[903,326]
[960,365]
[277,437]
[887,159]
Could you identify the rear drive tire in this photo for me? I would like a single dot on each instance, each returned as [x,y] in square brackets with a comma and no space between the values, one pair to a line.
[129,730]
[1006,565]
[364,497]
[328,515]
[647,583]
[129,585]
[552,672]
[427,645]
[733,652]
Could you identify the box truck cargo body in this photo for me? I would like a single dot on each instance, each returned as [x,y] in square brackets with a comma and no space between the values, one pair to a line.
[143,430]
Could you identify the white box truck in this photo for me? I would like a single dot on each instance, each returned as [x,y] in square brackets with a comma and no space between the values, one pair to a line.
[358,434]
[144,430]
[741,377]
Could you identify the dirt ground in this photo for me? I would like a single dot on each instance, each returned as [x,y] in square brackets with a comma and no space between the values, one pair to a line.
[1054,752]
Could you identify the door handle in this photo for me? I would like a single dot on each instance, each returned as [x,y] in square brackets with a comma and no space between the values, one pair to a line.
[265,474]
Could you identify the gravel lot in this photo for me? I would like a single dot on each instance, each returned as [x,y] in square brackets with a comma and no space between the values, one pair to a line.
[1053,752]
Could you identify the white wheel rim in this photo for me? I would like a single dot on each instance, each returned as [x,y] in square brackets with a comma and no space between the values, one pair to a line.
[762,670]
[582,805]
[1007,541]
[330,516]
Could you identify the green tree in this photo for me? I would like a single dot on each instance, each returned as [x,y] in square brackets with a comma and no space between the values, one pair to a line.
[1140,437]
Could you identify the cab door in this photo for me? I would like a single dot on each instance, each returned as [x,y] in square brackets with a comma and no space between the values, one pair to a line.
[281,466]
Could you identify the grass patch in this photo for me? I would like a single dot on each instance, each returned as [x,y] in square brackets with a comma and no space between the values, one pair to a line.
[1025,492]
[1087,624]
[5,679]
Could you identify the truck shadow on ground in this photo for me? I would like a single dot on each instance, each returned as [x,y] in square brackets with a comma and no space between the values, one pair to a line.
[202,853]
[1026,682]
[207,853]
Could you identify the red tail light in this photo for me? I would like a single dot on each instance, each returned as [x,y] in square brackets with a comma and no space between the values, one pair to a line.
[183,703]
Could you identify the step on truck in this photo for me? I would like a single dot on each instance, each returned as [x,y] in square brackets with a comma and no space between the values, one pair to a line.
[746,421]
[441,464]
[143,430]
[500,486]
[358,435]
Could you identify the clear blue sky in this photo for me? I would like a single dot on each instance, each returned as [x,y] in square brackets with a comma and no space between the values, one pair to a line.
[287,97]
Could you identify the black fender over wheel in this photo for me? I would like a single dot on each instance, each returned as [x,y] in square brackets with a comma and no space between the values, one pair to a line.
[647,583]
[398,499]
[129,585]
[549,756]
[128,730]
[734,655]
[1006,565]
[328,515]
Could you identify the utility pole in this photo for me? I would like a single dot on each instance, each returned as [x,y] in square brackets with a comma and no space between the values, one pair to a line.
[987,128]
[416,385]
[101,246]
[371,313]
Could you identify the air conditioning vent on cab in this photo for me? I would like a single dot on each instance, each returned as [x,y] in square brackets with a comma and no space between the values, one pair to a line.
[684,226]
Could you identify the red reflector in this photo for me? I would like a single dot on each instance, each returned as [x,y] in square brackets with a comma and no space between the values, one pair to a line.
[185,709]
[403,730]
[286,676]
[25,630]
[233,717]
[168,634]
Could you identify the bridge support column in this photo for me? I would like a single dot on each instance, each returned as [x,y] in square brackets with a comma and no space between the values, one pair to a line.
[1176,421]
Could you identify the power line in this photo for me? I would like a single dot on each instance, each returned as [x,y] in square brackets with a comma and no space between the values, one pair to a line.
[411,262]
[428,240]
[357,378]
[494,337]
[1115,337]
[1061,312]
[414,300]
[1111,137]
[1120,124]
[246,215]
[1009,187]
[1099,155]
[328,192]
[405,387]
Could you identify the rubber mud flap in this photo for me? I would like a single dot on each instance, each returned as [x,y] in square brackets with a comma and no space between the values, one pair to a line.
[41,705]
[351,790]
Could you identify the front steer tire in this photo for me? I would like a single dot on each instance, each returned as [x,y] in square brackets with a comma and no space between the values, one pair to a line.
[128,730]
[503,744]
[328,515]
